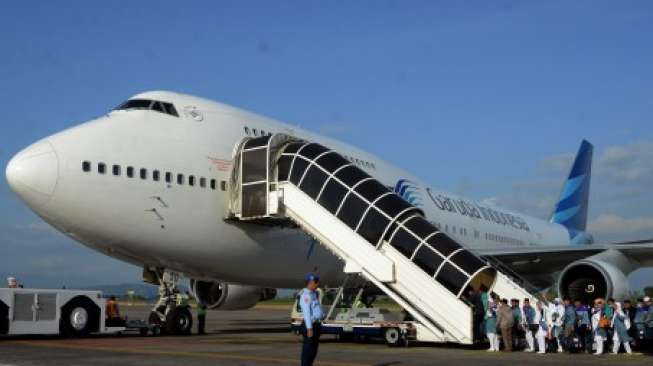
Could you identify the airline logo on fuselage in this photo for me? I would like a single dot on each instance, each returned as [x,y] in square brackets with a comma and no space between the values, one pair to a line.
[475,210]
[409,191]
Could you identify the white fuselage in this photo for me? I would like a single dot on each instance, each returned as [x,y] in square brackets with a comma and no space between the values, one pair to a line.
[181,227]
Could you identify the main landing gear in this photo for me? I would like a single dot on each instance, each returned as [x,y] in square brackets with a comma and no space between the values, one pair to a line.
[171,312]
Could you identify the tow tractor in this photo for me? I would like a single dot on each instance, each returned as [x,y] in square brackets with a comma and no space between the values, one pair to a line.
[73,313]
[350,314]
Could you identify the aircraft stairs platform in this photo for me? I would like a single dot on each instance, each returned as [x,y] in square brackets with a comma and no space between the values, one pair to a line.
[376,233]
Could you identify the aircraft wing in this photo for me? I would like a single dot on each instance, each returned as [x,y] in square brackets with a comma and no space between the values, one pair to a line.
[539,265]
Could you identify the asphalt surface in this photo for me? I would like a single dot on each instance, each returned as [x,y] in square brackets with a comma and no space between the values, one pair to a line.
[261,337]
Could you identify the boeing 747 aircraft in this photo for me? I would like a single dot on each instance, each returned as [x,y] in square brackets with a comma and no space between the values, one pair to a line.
[151,183]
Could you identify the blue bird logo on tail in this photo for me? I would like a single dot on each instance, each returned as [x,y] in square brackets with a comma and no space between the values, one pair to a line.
[571,209]
[409,191]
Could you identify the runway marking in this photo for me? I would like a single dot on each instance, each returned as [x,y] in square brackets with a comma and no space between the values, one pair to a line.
[224,356]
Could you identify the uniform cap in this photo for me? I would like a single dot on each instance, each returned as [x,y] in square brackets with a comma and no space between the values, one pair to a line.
[312,277]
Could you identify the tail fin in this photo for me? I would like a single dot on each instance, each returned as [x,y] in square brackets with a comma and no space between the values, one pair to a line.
[571,209]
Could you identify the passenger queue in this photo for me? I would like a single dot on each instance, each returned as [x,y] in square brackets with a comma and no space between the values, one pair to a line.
[563,325]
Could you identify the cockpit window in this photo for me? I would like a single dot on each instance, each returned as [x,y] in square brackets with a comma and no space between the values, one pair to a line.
[146,104]
[136,104]
[170,109]
[157,107]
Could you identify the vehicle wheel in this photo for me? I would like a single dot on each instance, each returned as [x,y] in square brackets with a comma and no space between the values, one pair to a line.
[179,321]
[79,318]
[392,336]
[156,330]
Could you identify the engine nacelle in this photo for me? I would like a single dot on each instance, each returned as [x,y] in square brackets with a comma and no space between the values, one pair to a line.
[227,296]
[602,275]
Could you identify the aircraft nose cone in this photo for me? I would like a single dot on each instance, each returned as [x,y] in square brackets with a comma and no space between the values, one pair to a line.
[33,173]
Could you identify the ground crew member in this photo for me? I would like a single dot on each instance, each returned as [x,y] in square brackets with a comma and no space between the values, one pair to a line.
[113,313]
[312,325]
[201,318]
[112,308]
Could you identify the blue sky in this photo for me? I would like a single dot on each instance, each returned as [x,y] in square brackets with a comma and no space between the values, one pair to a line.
[486,99]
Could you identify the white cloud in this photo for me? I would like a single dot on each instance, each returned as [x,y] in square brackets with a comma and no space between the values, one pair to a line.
[611,224]
[627,164]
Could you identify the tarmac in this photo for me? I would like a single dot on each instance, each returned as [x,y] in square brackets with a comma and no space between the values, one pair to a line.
[261,336]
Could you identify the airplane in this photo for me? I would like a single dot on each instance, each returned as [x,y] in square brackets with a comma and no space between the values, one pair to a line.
[148,184]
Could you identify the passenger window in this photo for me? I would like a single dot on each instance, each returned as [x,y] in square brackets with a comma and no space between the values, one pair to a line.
[156,175]
[254,131]
[212,183]
[262,133]
[180,179]
[116,170]
[191,180]
[86,166]
[101,168]
[130,172]
[143,173]
[203,182]
[168,177]
[223,185]
[246,130]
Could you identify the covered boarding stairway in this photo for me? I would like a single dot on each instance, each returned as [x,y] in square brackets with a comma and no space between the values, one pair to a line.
[374,231]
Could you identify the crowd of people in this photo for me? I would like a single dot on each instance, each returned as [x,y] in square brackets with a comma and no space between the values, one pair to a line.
[562,325]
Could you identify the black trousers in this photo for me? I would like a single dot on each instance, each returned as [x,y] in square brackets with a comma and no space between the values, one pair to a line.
[201,321]
[310,344]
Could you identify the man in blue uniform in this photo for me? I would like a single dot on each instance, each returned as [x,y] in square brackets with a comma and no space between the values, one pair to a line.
[312,326]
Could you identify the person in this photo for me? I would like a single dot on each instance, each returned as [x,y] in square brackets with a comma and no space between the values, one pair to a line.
[630,311]
[583,327]
[609,313]
[556,311]
[312,325]
[490,323]
[620,324]
[505,321]
[569,325]
[12,283]
[529,325]
[599,331]
[648,324]
[542,320]
[484,299]
[517,329]
[113,313]
[474,298]
[638,321]
[201,319]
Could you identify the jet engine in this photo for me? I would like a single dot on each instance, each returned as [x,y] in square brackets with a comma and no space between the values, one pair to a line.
[602,275]
[227,296]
